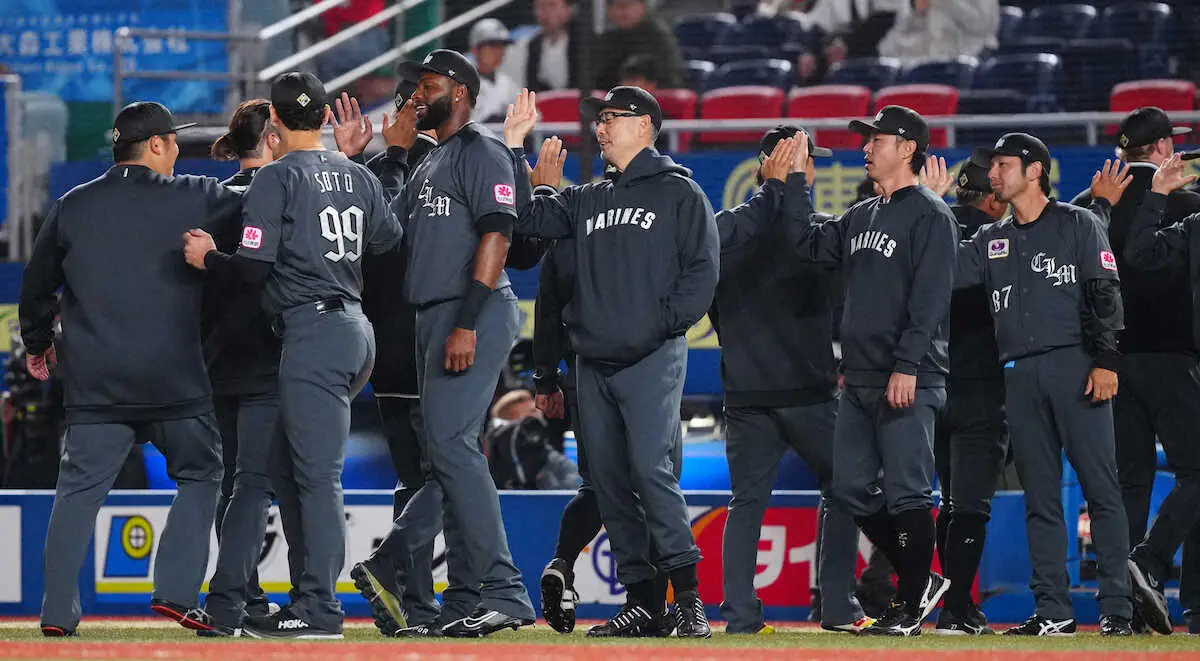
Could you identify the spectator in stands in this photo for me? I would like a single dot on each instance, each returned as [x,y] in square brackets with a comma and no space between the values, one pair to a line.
[489,40]
[635,31]
[550,59]
[357,50]
[855,27]
[943,29]
[518,448]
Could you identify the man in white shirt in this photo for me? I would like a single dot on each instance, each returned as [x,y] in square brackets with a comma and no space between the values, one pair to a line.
[549,60]
[489,40]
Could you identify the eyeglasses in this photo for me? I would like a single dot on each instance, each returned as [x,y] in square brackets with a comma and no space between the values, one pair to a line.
[608,115]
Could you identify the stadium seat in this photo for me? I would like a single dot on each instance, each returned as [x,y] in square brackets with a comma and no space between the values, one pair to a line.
[698,73]
[929,100]
[988,102]
[1022,44]
[871,72]
[1032,74]
[745,102]
[1149,21]
[957,72]
[822,101]
[1010,18]
[1094,67]
[720,55]
[678,104]
[776,73]
[1062,21]
[560,106]
[1170,95]
[702,31]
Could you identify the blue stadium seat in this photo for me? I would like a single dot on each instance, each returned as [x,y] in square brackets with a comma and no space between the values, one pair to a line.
[766,72]
[1064,21]
[1020,44]
[1149,21]
[698,73]
[701,30]
[988,102]
[871,72]
[958,72]
[1031,74]
[726,54]
[1010,18]
[1094,67]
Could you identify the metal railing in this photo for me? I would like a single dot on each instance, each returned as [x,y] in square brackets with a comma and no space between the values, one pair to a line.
[18,220]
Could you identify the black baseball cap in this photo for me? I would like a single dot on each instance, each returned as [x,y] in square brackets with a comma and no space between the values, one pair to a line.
[974,177]
[404,92]
[451,64]
[1190,155]
[626,97]
[785,131]
[895,120]
[1022,145]
[143,120]
[1146,125]
[296,91]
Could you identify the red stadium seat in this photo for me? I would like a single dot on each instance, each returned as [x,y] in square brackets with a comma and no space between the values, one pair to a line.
[831,101]
[560,106]
[1178,95]
[751,101]
[678,104]
[929,100]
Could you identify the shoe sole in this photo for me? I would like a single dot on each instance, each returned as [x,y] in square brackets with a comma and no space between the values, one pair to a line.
[706,634]
[892,633]
[554,586]
[56,632]
[304,636]
[848,628]
[1151,604]
[933,602]
[483,633]
[387,613]
[183,620]
[216,633]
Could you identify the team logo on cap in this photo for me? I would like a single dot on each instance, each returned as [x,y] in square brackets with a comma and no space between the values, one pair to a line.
[428,59]
[962,179]
[1123,140]
[303,100]
[998,249]
[879,116]
[116,135]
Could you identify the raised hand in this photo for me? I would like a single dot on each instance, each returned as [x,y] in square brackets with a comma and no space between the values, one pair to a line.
[352,130]
[782,159]
[402,132]
[522,116]
[935,176]
[1172,174]
[549,169]
[1111,182]
[801,161]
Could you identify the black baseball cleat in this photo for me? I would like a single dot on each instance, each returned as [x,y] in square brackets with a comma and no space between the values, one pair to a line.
[953,624]
[483,623]
[690,619]
[633,621]
[286,624]
[189,618]
[221,631]
[1115,625]
[898,620]
[373,584]
[935,588]
[51,631]
[558,596]
[261,607]
[418,631]
[1037,625]
[1148,599]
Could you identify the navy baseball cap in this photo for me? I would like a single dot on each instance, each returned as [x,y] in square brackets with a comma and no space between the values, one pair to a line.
[1022,145]
[627,98]
[297,92]
[1145,126]
[895,120]
[143,120]
[451,64]
[974,177]
[785,131]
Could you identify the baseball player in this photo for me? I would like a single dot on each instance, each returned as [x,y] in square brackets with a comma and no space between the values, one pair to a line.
[460,203]
[1151,246]
[309,217]
[129,381]
[397,579]
[646,250]
[1051,280]
[243,363]
[780,379]
[897,254]
[1158,394]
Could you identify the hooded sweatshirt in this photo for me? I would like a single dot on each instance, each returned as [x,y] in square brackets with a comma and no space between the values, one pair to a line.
[647,257]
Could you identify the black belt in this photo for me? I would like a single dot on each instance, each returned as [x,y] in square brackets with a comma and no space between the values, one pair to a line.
[322,306]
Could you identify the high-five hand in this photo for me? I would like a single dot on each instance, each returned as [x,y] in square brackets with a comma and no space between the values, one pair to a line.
[935,176]
[1172,174]
[403,131]
[352,130]
[522,116]
[1111,182]
[783,157]
[549,169]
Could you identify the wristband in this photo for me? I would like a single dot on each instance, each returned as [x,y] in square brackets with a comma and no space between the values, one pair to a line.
[472,305]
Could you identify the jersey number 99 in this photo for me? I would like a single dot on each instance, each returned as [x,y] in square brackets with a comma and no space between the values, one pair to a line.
[344,230]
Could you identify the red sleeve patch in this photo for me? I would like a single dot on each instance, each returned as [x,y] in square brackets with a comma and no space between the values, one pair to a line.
[504,194]
[1108,260]
[251,238]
